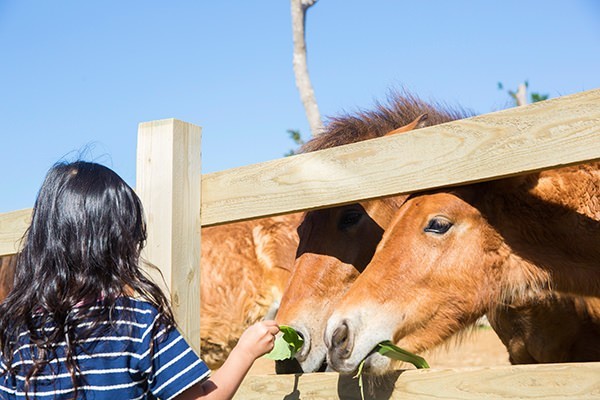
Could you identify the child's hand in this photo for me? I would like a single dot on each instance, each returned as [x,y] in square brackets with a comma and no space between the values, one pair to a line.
[258,339]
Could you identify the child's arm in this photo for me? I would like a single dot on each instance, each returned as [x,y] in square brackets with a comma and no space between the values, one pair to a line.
[256,341]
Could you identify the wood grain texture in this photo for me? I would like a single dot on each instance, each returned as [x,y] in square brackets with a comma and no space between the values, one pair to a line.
[168,183]
[12,228]
[543,135]
[547,381]
[548,134]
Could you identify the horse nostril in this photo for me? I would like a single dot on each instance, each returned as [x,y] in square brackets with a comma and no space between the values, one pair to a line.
[340,335]
[341,340]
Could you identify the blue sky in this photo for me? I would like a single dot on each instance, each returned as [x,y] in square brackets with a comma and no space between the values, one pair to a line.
[80,75]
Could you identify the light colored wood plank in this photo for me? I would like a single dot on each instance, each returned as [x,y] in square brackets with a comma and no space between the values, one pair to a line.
[12,228]
[547,381]
[553,133]
[168,182]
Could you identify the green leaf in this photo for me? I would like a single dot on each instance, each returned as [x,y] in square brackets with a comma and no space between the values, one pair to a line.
[281,350]
[390,350]
[292,338]
[359,375]
[286,345]
[535,97]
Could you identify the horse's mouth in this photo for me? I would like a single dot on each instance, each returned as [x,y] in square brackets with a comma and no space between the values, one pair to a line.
[372,364]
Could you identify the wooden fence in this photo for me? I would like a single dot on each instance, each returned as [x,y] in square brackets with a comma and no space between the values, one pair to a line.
[178,201]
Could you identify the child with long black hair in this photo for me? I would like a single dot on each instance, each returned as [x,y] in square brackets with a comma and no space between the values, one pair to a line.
[84,321]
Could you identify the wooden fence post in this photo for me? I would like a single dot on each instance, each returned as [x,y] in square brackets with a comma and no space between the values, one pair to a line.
[168,182]
[12,227]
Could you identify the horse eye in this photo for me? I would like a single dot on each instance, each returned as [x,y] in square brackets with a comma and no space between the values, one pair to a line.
[348,219]
[438,225]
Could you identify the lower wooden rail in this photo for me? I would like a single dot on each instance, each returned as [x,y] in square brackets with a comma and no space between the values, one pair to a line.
[540,381]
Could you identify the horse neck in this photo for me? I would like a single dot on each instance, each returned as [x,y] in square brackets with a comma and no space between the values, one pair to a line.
[551,223]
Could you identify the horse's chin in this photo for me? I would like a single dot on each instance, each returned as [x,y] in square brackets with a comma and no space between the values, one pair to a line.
[314,363]
[376,364]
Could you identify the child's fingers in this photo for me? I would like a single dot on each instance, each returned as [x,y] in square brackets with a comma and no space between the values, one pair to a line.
[259,338]
[273,330]
[271,326]
[269,322]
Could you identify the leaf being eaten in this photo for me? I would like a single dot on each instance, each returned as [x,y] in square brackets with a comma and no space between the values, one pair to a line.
[287,344]
[389,349]
[392,351]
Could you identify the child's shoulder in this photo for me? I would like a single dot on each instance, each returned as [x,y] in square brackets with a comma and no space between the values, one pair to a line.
[137,309]
[136,303]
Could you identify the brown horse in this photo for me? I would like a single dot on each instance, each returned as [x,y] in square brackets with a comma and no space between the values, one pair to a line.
[337,243]
[502,247]
[552,328]
[245,267]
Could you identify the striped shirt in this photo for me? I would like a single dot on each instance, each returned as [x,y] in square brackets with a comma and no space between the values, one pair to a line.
[116,364]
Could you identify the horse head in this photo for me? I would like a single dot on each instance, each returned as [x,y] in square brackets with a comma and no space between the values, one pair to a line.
[452,255]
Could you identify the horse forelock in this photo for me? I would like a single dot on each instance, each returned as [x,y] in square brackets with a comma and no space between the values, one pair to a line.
[400,109]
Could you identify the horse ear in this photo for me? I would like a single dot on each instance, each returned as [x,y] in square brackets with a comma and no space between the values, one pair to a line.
[419,122]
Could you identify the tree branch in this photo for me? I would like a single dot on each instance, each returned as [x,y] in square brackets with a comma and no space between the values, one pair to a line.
[521,95]
[307,95]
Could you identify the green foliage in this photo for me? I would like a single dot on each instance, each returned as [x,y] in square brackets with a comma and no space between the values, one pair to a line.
[533,97]
[296,137]
[286,345]
[359,375]
[390,350]
[394,352]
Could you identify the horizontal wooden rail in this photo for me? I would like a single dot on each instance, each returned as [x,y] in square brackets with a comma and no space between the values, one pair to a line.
[540,381]
[543,135]
[12,227]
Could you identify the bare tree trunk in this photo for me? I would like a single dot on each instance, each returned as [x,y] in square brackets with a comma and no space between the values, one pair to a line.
[307,94]
[521,95]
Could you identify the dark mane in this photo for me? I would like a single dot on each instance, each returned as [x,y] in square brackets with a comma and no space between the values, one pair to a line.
[401,109]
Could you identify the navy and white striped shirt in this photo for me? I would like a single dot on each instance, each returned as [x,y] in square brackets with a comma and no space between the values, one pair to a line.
[118,365]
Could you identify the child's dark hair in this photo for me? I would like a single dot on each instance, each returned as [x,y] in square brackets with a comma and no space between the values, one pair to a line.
[82,247]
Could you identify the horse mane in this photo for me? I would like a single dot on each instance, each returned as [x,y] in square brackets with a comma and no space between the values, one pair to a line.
[401,109]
